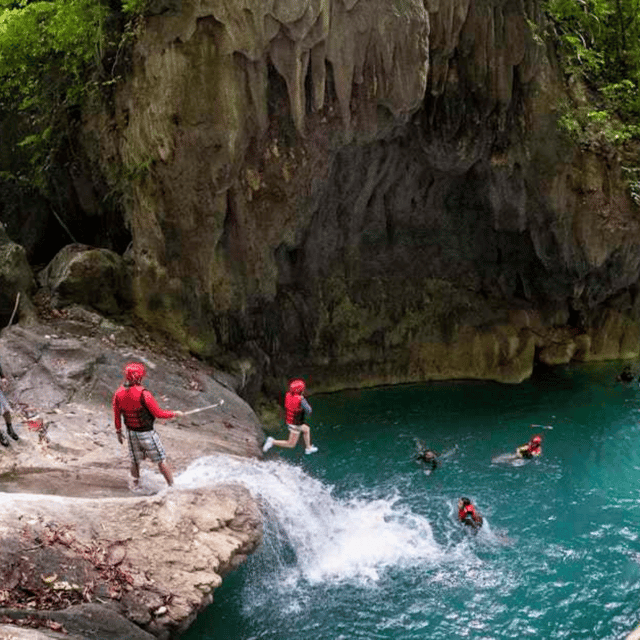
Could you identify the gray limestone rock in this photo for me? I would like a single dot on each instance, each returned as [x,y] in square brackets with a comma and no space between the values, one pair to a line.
[16,278]
[72,534]
[93,277]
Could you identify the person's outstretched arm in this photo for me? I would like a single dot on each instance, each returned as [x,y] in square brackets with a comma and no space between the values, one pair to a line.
[155,409]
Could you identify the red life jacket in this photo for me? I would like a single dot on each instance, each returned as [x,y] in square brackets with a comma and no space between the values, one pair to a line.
[135,413]
[535,449]
[293,408]
[467,510]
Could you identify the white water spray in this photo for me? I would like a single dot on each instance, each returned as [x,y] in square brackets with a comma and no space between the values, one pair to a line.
[332,539]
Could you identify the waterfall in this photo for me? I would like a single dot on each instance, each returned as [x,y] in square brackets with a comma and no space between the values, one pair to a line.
[317,536]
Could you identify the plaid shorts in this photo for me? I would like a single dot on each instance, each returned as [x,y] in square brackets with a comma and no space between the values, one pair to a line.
[145,444]
[4,405]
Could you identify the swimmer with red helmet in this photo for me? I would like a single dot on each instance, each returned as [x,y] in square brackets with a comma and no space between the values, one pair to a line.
[296,407]
[138,408]
[532,449]
[468,515]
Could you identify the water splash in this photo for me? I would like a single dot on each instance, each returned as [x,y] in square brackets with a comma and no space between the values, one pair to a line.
[328,538]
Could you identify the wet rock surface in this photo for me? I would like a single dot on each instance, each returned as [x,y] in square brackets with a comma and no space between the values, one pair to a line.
[79,551]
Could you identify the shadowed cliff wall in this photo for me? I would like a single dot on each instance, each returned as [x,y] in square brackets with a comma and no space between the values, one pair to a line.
[368,191]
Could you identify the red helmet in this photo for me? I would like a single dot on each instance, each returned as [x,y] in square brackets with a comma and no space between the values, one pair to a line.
[297,386]
[134,372]
[536,440]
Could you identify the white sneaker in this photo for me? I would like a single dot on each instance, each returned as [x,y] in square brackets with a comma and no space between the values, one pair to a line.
[268,444]
[135,487]
[310,450]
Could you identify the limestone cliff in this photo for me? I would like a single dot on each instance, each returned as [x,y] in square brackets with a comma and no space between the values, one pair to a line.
[80,554]
[367,191]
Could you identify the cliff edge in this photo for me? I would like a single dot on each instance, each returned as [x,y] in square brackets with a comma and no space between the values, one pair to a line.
[81,554]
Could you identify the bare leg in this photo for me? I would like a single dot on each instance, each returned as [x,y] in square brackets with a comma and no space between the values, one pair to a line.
[135,474]
[7,418]
[306,433]
[291,442]
[165,470]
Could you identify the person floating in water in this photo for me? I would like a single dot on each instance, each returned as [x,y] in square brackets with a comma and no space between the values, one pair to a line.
[625,375]
[428,456]
[296,407]
[532,449]
[468,515]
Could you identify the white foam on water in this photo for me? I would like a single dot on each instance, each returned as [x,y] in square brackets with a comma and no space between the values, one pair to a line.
[332,538]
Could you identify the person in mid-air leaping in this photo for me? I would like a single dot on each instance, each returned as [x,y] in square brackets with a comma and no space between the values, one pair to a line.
[296,406]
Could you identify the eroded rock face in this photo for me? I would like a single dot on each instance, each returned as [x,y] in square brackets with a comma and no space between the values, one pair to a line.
[157,560]
[78,549]
[96,278]
[364,190]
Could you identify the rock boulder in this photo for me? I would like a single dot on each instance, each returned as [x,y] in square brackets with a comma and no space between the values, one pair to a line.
[80,551]
[16,278]
[96,278]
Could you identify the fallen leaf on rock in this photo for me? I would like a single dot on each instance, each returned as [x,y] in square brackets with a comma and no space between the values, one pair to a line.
[63,585]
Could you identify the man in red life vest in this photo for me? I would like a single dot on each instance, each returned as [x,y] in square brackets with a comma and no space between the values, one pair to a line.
[468,515]
[139,409]
[532,449]
[295,406]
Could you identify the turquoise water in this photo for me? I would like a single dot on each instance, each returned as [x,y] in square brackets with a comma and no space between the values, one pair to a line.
[360,543]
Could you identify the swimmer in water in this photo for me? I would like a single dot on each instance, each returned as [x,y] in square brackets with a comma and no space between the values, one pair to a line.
[625,375]
[532,449]
[468,515]
[429,457]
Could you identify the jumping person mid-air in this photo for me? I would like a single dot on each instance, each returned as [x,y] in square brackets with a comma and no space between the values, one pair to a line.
[139,409]
[296,407]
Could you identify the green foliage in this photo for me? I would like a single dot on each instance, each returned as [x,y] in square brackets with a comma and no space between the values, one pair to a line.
[599,41]
[599,45]
[587,125]
[633,179]
[134,7]
[53,55]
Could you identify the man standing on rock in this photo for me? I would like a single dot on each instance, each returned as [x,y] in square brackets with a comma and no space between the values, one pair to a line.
[139,409]
[6,414]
